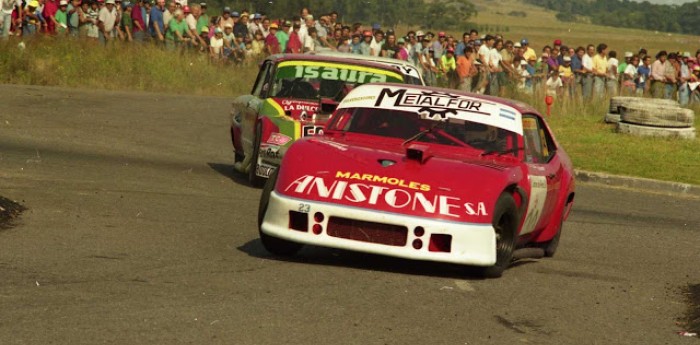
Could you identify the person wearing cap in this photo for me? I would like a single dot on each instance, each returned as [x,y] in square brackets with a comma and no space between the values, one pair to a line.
[375,48]
[448,67]
[203,19]
[623,64]
[272,45]
[283,35]
[126,23]
[61,18]
[556,44]
[416,49]
[683,78]
[439,47]
[254,21]
[528,52]
[366,43]
[240,29]
[106,21]
[229,40]
[226,18]
[216,45]
[554,85]
[401,51]
[567,75]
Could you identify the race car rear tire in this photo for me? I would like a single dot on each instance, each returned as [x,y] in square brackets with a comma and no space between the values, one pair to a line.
[505,223]
[255,180]
[274,245]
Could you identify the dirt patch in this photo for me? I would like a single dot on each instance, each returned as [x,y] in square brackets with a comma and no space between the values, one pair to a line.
[9,212]
[691,324]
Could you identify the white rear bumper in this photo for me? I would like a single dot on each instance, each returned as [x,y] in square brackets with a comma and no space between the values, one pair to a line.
[471,244]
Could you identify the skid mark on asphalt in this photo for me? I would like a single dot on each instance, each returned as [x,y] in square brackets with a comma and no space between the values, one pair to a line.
[584,275]
[521,326]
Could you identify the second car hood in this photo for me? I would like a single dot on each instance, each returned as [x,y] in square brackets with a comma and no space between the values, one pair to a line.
[451,187]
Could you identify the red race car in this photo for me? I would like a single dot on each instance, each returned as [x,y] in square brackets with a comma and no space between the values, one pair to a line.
[426,174]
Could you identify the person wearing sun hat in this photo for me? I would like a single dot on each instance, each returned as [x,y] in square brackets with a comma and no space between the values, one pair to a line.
[61,17]
[106,21]
[272,44]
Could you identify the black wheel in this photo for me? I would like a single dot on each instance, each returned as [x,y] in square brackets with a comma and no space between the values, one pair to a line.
[505,223]
[550,247]
[237,156]
[273,245]
[255,180]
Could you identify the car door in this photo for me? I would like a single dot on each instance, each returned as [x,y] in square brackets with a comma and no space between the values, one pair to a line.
[544,173]
[251,106]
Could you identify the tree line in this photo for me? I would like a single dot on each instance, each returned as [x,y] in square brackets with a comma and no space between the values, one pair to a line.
[629,14]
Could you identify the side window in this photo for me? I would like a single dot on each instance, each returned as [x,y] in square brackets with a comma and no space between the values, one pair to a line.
[261,79]
[539,145]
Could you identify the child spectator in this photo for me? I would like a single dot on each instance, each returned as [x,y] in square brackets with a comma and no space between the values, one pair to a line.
[127,24]
[554,84]
[216,45]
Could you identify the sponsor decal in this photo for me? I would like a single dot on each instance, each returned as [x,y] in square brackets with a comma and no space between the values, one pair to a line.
[432,103]
[271,152]
[385,197]
[264,170]
[506,114]
[289,105]
[335,71]
[311,130]
[278,139]
[393,181]
[358,99]
[538,197]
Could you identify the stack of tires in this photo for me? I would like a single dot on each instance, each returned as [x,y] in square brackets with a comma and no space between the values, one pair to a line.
[651,117]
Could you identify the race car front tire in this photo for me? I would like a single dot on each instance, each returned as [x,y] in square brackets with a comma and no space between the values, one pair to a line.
[274,245]
[505,223]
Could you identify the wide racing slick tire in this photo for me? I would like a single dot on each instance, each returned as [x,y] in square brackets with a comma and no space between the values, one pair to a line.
[658,116]
[621,101]
[639,130]
[253,178]
[505,224]
[274,245]
[612,118]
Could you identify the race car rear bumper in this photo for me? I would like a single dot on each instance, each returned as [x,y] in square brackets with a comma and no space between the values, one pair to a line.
[335,226]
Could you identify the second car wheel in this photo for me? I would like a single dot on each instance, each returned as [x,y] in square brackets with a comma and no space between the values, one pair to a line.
[255,180]
[273,245]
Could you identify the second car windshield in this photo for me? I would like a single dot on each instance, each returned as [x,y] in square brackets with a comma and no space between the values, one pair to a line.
[318,80]
[407,125]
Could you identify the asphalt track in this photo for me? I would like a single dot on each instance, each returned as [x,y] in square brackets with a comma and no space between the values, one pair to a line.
[137,233]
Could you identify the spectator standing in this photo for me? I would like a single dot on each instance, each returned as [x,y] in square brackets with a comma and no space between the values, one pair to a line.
[283,35]
[389,47]
[611,76]
[485,59]
[178,33]
[254,21]
[459,49]
[497,78]
[229,41]
[375,48]
[84,21]
[272,45]
[465,68]
[310,40]
[683,90]
[61,17]
[416,50]
[93,31]
[577,67]
[106,20]
[265,27]
[657,75]
[49,14]
[528,52]
[448,68]
[240,29]
[6,9]
[294,45]
[127,24]
[366,43]
[643,73]
[139,22]
[671,71]
[600,69]
[226,18]
[566,74]
[439,46]
[73,17]
[356,42]
[401,51]
[554,85]
[630,77]
[323,31]
[156,24]
[507,59]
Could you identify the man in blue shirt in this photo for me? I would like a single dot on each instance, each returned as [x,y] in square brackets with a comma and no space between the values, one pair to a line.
[644,69]
[155,24]
[577,67]
[462,44]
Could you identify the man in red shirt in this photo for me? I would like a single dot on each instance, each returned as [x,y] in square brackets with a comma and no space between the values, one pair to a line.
[272,45]
[49,14]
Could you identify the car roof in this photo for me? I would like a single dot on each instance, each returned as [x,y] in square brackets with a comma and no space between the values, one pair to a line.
[328,58]
[412,70]
[439,104]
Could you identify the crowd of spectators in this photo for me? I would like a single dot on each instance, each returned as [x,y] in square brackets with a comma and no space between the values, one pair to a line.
[488,64]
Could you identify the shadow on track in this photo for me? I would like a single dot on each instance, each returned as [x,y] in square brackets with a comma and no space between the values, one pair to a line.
[342,258]
[227,170]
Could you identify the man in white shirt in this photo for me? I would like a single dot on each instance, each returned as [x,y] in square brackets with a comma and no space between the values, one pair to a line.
[613,65]
[587,77]
[375,48]
[107,17]
[485,57]
[307,23]
[6,8]
[495,67]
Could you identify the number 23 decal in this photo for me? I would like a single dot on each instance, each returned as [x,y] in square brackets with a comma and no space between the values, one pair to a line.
[304,208]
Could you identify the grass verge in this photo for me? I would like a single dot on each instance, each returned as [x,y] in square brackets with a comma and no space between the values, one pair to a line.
[137,67]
